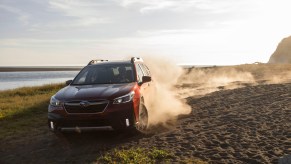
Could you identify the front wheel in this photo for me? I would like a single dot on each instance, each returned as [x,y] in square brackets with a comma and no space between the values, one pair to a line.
[142,124]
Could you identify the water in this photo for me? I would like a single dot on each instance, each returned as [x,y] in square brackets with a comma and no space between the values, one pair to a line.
[12,80]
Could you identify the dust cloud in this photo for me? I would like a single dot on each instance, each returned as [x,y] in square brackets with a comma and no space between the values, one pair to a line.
[276,74]
[283,77]
[162,101]
[200,81]
[172,84]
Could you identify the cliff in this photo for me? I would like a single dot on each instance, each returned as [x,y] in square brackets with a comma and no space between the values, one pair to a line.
[283,52]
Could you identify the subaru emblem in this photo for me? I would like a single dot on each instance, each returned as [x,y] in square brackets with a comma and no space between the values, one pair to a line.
[84,104]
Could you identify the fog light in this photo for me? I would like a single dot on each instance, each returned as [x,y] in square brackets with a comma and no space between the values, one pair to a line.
[127,122]
[52,125]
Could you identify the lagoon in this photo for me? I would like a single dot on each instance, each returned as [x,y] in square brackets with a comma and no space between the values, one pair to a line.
[12,80]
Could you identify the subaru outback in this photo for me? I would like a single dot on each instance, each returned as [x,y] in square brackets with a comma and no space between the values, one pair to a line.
[105,95]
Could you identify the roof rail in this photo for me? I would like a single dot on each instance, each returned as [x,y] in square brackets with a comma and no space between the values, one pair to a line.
[135,59]
[96,61]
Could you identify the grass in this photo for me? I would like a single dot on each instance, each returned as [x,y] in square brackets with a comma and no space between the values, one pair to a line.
[136,155]
[24,109]
[23,100]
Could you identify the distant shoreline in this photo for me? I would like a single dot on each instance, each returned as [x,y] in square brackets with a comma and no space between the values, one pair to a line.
[70,68]
[40,68]
[54,68]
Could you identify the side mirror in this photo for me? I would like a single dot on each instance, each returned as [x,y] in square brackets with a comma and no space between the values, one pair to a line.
[146,79]
[68,82]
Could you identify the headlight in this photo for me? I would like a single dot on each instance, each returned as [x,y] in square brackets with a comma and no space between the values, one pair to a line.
[55,102]
[124,99]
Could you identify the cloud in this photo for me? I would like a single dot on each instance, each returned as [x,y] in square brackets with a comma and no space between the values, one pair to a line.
[53,15]
[148,33]
[38,43]
[68,24]
[22,16]
[148,6]
[201,30]
[214,6]
[86,13]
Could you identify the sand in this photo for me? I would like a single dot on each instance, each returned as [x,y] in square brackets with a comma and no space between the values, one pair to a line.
[234,121]
[245,125]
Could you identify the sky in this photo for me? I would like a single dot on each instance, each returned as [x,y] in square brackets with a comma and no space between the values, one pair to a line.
[198,32]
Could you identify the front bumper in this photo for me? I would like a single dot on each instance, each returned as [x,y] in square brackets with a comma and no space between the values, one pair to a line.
[114,117]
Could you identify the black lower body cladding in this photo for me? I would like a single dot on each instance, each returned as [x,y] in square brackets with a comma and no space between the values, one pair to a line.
[111,119]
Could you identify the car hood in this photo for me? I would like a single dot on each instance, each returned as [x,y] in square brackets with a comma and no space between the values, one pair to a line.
[93,92]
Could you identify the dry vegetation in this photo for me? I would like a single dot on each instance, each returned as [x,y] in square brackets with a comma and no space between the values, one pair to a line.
[23,110]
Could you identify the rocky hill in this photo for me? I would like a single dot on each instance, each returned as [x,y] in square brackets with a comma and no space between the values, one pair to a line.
[283,52]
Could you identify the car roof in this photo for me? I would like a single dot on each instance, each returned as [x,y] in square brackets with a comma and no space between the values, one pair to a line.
[106,62]
[111,62]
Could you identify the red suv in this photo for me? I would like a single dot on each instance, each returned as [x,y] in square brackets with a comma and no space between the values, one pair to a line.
[105,95]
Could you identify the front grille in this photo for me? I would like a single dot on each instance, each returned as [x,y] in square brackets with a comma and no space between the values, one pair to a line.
[86,106]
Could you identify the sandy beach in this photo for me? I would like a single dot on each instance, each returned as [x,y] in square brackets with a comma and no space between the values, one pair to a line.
[245,125]
[248,123]
[237,119]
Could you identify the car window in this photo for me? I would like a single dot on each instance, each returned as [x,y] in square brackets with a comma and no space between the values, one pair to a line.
[82,79]
[124,74]
[105,74]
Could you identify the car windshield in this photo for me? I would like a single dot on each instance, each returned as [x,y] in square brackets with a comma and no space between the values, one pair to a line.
[105,74]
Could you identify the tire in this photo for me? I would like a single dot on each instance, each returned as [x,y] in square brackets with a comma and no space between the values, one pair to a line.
[142,124]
